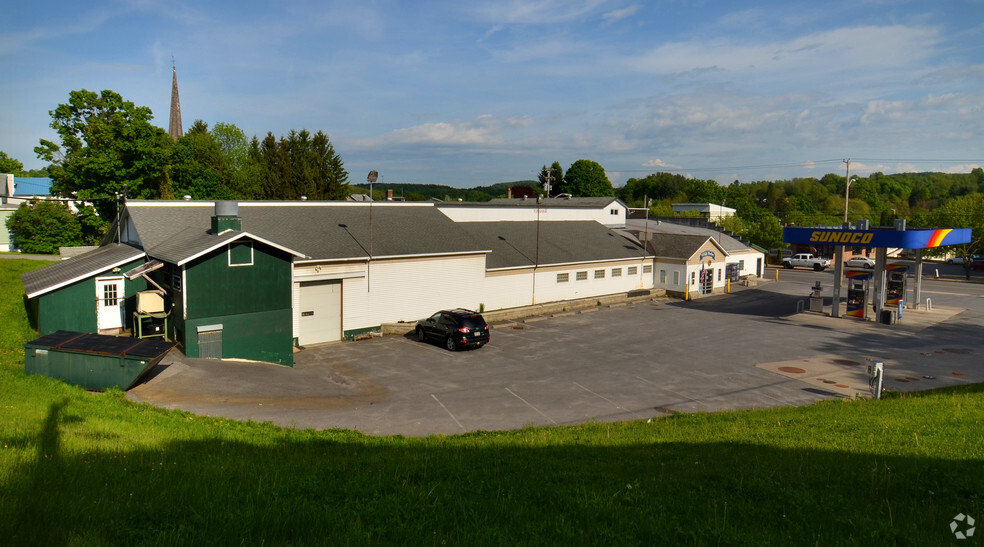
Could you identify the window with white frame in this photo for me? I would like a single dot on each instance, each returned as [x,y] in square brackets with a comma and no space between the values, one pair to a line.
[647,268]
[633,270]
[563,277]
[599,274]
[241,253]
[719,274]
[662,276]
[676,278]
[581,276]
[616,272]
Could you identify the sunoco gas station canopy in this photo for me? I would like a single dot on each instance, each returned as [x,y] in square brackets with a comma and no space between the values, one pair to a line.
[887,238]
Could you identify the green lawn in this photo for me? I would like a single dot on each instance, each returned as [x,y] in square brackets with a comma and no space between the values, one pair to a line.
[82,468]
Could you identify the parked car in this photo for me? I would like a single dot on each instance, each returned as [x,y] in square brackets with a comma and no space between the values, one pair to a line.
[806,260]
[458,328]
[860,262]
[960,259]
[977,265]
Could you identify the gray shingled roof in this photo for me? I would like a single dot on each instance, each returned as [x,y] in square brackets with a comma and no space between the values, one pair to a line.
[587,203]
[69,271]
[319,230]
[514,244]
[656,229]
[678,246]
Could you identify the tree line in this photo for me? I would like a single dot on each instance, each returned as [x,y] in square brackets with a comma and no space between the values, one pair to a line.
[108,146]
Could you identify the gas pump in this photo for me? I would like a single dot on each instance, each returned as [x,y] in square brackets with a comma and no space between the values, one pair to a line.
[895,284]
[857,288]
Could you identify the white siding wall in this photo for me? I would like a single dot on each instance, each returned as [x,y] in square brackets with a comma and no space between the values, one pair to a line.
[513,288]
[413,288]
[505,213]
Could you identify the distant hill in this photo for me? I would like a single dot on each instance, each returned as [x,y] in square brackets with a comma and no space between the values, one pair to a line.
[423,192]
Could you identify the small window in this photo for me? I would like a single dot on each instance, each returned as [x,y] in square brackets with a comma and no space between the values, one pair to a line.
[599,274]
[563,277]
[582,276]
[616,272]
[241,253]
[741,265]
[676,278]
[633,270]
[719,274]
[176,280]
[647,268]
[693,277]
[110,295]
[662,276]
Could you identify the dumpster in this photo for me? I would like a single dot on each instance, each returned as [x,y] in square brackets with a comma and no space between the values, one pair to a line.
[93,361]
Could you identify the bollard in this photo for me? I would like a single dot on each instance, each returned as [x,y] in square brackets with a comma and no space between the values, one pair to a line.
[937,273]
[929,304]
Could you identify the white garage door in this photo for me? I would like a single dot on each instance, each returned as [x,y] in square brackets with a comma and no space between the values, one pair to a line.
[321,312]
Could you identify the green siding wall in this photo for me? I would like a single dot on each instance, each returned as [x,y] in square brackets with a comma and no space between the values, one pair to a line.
[73,307]
[216,289]
[261,336]
[252,303]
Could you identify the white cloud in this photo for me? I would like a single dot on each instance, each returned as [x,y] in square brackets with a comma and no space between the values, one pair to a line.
[619,14]
[539,12]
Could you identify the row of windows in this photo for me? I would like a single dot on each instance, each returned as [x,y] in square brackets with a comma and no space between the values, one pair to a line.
[601,274]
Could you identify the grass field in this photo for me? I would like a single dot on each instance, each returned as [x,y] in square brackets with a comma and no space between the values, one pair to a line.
[79,468]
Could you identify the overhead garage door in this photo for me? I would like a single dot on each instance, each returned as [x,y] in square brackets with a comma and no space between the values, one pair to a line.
[321,312]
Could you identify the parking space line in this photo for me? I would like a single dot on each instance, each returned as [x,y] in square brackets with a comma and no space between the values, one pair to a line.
[448,411]
[511,392]
[691,399]
[613,403]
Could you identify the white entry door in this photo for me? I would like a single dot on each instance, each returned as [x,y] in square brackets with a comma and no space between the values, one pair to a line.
[109,303]
[320,313]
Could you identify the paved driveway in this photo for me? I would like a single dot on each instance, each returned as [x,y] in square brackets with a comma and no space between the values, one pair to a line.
[637,361]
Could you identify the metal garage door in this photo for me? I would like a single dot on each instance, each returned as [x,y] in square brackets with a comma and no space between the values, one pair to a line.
[321,312]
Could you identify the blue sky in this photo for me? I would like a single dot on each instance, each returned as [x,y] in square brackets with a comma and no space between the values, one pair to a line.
[473,93]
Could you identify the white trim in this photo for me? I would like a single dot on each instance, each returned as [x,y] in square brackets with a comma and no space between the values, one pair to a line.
[229,255]
[567,264]
[46,290]
[329,277]
[237,238]
[389,257]
[184,294]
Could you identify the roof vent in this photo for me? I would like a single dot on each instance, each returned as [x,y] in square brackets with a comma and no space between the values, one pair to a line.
[226,208]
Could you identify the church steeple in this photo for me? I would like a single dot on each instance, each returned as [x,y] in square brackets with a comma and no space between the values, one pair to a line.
[175,123]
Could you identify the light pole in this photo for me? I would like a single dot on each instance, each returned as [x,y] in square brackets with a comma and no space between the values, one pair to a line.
[847,188]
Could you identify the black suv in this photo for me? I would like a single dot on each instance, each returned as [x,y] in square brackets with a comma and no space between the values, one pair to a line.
[456,328]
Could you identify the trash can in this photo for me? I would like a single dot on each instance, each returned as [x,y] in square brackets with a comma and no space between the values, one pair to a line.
[887,317]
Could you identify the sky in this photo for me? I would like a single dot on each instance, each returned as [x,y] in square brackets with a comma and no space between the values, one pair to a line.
[479,92]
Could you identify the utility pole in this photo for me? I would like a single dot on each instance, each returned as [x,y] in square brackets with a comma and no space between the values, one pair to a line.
[547,186]
[847,187]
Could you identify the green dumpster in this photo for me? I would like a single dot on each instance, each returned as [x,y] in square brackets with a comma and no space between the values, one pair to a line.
[93,361]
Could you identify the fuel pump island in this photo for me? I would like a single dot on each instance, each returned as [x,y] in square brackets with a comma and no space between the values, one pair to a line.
[887,280]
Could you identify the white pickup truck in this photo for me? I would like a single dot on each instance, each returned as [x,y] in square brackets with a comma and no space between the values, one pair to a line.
[806,260]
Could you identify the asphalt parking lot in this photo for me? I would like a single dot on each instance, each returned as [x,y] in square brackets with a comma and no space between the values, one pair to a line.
[640,360]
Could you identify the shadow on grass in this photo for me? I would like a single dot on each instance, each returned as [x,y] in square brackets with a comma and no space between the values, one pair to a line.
[339,487]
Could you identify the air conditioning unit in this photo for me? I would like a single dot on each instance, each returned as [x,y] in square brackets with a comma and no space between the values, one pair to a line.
[876,378]
[150,302]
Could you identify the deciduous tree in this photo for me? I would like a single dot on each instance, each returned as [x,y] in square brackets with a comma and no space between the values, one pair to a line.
[106,143]
[41,226]
[586,178]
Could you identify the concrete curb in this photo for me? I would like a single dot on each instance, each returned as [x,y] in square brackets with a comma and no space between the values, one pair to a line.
[554,309]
